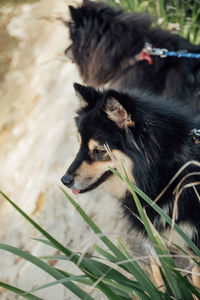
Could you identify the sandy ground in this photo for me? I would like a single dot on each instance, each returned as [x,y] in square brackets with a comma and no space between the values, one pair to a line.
[38,141]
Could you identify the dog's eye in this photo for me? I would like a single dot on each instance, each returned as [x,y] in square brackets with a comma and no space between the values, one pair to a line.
[99,153]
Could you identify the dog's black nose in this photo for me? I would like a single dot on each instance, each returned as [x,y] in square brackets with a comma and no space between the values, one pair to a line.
[67,180]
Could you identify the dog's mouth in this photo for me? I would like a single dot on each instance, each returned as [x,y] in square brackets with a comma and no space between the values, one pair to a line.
[103,178]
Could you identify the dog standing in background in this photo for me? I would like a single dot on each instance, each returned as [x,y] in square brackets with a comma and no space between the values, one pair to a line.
[108,46]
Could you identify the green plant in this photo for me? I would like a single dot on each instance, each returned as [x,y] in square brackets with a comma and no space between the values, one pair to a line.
[105,271]
[181,16]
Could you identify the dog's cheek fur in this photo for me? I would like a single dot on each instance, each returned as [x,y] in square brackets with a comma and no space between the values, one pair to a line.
[87,173]
[115,185]
[123,160]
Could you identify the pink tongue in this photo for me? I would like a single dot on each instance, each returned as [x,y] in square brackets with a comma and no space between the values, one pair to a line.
[75,192]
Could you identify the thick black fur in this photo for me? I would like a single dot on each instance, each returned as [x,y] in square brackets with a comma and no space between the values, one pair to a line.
[105,42]
[158,145]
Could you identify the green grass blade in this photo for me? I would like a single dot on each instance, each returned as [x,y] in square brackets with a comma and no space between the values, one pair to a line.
[166,261]
[119,283]
[166,284]
[156,240]
[128,290]
[186,292]
[85,280]
[105,254]
[132,267]
[58,245]
[88,268]
[46,242]
[167,218]
[115,275]
[186,283]
[94,227]
[163,214]
[19,292]
[47,268]
[158,244]
[54,257]
[112,274]
[108,272]
[123,295]
[56,282]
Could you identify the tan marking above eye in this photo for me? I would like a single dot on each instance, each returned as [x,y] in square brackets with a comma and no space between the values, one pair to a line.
[92,144]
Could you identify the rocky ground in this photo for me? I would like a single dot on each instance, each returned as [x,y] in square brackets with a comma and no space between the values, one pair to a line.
[38,141]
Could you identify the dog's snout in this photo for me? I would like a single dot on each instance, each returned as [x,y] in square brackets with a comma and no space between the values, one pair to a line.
[67,180]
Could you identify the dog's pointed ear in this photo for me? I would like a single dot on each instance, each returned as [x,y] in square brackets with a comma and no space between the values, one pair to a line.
[117,113]
[75,14]
[86,94]
[82,94]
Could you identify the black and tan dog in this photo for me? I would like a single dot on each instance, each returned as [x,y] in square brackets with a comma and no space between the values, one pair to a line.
[108,46]
[154,139]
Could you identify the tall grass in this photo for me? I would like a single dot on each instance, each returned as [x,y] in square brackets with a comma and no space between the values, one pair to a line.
[115,272]
[181,16]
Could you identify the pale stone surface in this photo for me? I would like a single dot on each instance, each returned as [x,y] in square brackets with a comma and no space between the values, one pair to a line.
[37,145]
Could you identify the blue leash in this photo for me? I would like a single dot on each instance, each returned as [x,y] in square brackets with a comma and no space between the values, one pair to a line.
[164,52]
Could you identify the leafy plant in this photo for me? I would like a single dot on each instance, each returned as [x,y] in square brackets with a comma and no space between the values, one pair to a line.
[111,271]
[180,16]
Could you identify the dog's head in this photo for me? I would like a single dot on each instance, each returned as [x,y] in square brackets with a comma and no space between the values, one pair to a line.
[133,130]
[104,39]
[102,125]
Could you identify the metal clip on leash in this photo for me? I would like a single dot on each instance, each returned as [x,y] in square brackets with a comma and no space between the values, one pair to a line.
[195,135]
[155,51]
[148,48]
[159,52]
